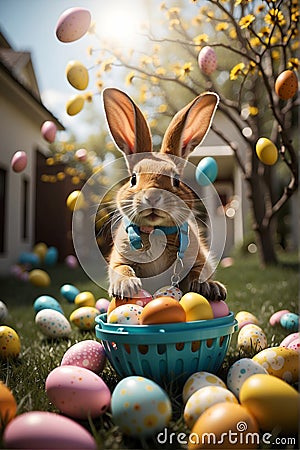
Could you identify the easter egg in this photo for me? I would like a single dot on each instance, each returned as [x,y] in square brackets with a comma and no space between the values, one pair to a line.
[3,311]
[81,154]
[77,392]
[126,314]
[75,200]
[275,318]
[140,407]
[88,354]
[84,317]
[203,399]
[52,323]
[40,249]
[207,60]
[69,292]
[73,24]
[44,430]
[273,403]
[71,261]
[240,371]
[162,310]
[289,339]
[51,256]
[196,307]
[295,345]
[217,425]
[85,298]
[8,405]
[10,344]
[168,291]
[74,105]
[29,258]
[48,130]
[286,84]
[290,321]
[46,302]
[39,278]
[206,171]
[266,151]
[102,305]
[77,75]
[19,161]
[280,362]
[245,318]
[142,298]
[219,308]
[197,381]
[251,338]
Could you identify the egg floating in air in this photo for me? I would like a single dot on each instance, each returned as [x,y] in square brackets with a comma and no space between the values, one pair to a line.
[77,75]
[207,60]
[19,161]
[206,171]
[286,84]
[73,24]
[74,105]
[48,131]
[266,151]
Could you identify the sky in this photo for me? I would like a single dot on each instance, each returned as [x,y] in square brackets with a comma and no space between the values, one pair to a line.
[29,25]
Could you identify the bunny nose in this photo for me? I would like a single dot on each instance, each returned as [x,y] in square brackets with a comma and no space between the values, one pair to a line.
[152,197]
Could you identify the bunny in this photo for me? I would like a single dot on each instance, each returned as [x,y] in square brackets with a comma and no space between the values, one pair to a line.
[157,238]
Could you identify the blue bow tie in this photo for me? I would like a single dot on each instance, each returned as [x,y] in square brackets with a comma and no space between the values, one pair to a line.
[135,239]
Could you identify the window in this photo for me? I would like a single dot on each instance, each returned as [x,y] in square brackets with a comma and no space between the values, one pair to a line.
[25,205]
[2,209]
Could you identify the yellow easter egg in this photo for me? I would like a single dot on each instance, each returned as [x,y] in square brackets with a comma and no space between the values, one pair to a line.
[8,405]
[245,317]
[77,75]
[85,298]
[75,200]
[10,344]
[251,338]
[197,381]
[75,105]
[40,249]
[84,317]
[273,403]
[196,307]
[266,151]
[280,362]
[39,278]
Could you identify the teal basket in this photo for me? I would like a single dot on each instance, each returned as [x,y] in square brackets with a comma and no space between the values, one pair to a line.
[166,352]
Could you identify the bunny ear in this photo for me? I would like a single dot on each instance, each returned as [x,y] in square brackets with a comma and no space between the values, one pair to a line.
[190,125]
[126,122]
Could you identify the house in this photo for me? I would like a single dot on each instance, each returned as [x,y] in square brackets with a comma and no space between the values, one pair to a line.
[29,211]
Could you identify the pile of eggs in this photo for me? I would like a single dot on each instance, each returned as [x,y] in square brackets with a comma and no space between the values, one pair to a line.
[167,305]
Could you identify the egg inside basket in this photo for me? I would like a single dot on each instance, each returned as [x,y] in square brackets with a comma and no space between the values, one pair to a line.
[166,352]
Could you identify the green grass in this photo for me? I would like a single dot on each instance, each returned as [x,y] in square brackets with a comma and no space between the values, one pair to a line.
[259,291]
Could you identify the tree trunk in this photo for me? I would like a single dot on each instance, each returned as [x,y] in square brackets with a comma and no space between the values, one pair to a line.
[265,241]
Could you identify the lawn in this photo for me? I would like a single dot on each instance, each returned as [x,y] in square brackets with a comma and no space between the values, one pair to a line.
[250,287]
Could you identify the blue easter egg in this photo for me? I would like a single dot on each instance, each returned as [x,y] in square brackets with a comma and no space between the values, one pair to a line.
[51,256]
[47,302]
[69,292]
[29,258]
[206,171]
[290,321]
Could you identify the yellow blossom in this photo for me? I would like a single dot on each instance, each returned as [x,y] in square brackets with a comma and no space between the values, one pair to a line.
[173,11]
[200,39]
[222,26]
[275,17]
[106,65]
[173,23]
[88,97]
[154,80]
[129,78]
[253,110]
[264,32]
[187,68]
[275,55]
[293,63]
[99,84]
[232,33]
[255,42]
[246,21]
[160,71]
[239,2]
[162,108]
[237,70]
[259,9]
[145,60]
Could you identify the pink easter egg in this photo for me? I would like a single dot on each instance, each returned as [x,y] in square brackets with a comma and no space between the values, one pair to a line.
[81,154]
[19,161]
[48,131]
[88,354]
[220,308]
[207,60]
[275,318]
[295,344]
[73,24]
[288,339]
[71,261]
[102,305]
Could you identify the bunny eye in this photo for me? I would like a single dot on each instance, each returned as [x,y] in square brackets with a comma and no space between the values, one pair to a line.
[176,181]
[133,180]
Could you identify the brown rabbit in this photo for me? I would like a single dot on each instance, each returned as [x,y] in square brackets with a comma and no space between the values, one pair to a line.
[158,241]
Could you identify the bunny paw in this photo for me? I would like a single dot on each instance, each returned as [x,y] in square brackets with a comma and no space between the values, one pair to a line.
[125,287]
[211,290]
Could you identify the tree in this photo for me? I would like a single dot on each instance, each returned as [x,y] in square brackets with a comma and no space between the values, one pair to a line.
[254,43]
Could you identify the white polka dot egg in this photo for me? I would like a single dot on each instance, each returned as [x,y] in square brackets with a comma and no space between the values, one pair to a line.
[89,354]
[140,407]
[199,380]
[127,314]
[52,324]
[240,371]
[169,291]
